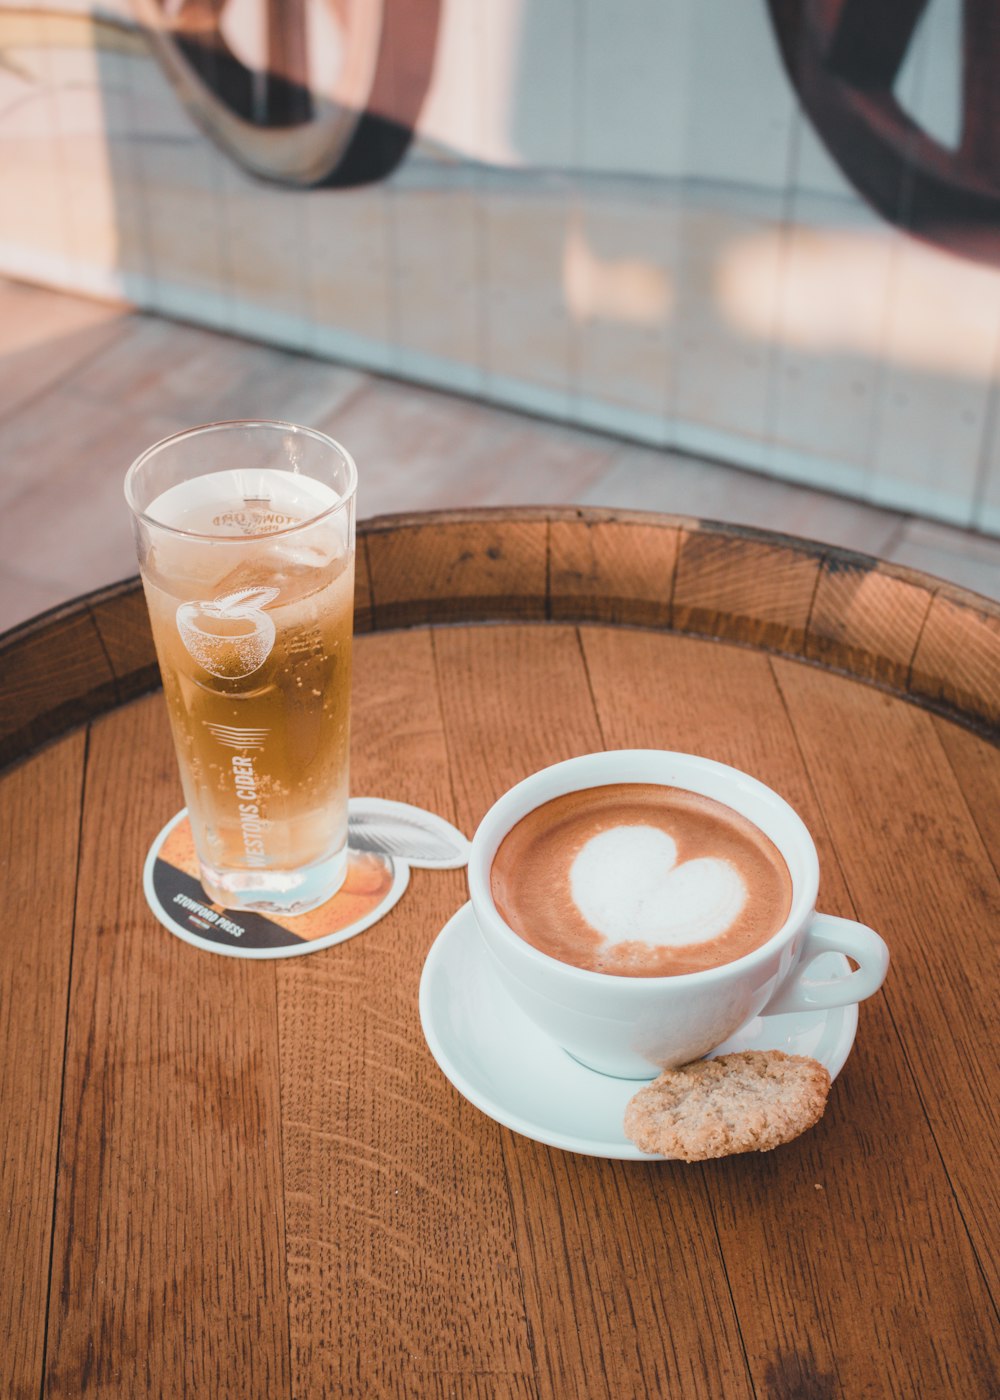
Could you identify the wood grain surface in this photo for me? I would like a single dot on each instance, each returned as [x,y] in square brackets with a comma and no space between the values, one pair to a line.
[605,1250]
[39,833]
[867,620]
[403,1272]
[234,1178]
[167,1268]
[618,571]
[869,1162]
[894,627]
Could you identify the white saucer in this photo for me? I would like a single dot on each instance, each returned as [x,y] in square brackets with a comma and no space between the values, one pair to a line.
[500,1061]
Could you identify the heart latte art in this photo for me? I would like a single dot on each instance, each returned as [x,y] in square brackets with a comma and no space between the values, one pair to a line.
[627,884]
[640,880]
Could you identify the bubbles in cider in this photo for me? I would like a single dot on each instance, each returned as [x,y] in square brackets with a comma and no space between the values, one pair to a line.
[253,634]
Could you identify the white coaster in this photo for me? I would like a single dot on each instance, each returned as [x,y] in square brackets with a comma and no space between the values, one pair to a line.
[384,840]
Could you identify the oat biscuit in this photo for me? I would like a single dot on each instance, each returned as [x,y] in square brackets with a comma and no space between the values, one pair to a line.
[750,1101]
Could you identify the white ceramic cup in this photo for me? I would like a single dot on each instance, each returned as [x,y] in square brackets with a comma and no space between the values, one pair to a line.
[632,1027]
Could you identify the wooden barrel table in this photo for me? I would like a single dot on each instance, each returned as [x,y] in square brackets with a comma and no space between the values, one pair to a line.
[236,1178]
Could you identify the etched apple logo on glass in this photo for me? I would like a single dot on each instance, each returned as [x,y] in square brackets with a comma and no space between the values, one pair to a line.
[229,636]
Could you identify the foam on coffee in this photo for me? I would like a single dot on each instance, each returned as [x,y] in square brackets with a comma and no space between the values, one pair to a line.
[640,880]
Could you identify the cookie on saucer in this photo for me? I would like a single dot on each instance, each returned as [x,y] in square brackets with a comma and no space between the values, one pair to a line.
[749,1101]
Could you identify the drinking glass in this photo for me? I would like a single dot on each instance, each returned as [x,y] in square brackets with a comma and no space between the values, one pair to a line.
[245,538]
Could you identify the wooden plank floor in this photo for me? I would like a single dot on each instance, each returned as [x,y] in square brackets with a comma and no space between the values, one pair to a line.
[84,386]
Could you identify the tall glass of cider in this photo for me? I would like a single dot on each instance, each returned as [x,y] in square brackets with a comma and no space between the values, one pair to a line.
[245,537]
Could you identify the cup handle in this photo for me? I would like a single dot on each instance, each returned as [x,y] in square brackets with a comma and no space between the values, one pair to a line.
[828,934]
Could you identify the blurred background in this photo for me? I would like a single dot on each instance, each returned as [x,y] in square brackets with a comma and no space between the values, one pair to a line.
[737,259]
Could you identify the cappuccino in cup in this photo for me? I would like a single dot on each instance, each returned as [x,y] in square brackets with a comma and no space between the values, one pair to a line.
[640,880]
[640,906]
